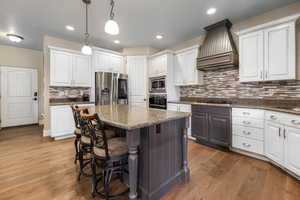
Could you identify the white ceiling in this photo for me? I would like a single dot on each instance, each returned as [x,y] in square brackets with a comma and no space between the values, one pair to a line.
[140,20]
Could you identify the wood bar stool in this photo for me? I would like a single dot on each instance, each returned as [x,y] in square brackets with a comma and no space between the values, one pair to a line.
[111,155]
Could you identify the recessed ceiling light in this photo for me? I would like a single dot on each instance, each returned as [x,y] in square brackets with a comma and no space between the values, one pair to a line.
[14,38]
[70,28]
[211,11]
[117,41]
[159,37]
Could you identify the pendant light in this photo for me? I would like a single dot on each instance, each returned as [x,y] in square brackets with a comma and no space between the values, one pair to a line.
[86,49]
[111,26]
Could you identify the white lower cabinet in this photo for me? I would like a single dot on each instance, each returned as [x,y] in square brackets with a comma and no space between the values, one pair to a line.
[62,121]
[292,149]
[182,108]
[274,141]
[275,135]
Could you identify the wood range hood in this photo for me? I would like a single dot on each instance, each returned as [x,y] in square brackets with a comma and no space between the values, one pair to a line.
[218,50]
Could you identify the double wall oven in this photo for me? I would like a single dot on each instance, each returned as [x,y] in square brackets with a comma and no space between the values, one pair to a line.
[158,95]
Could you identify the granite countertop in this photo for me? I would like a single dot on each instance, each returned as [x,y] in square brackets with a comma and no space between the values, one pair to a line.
[133,117]
[279,105]
[70,103]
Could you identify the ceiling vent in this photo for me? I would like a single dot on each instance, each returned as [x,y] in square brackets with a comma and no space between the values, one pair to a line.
[218,50]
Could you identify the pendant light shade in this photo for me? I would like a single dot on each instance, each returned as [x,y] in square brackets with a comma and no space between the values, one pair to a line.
[86,50]
[111,27]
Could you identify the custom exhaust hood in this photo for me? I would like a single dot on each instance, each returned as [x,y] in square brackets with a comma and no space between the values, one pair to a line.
[218,50]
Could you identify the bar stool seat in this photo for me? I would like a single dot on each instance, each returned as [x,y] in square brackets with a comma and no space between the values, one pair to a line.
[116,147]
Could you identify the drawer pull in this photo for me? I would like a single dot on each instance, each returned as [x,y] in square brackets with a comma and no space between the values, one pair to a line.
[246,145]
[246,113]
[295,122]
[273,117]
[246,122]
[246,133]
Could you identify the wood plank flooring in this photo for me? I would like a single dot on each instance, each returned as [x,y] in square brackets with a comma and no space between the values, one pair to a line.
[36,168]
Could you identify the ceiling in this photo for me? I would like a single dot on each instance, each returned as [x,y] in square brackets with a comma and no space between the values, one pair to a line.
[139,20]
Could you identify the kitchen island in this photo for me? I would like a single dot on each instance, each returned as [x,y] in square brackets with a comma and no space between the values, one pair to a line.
[157,144]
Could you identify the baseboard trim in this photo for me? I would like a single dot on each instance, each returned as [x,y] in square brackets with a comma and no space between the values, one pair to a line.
[46,133]
[64,137]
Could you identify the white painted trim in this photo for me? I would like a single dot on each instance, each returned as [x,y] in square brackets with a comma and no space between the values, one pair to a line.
[292,18]
[187,49]
[46,133]
[64,137]
[161,53]
[107,51]
[65,50]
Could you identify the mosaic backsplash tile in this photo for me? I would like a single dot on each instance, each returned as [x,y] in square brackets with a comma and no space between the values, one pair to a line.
[67,92]
[225,84]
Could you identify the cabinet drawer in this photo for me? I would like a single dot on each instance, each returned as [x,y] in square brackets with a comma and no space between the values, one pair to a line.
[291,120]
[245,112]
[185,108]
[247,144]
[249,122]
[248,132]
[273,116]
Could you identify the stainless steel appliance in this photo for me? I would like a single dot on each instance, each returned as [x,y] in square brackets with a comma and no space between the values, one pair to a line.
[158,84]
[111,88]
[158,101]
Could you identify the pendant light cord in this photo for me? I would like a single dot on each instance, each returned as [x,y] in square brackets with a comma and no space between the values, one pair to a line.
[86,25]
[112,14]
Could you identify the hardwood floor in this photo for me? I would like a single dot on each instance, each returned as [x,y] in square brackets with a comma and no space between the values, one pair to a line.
[37,168]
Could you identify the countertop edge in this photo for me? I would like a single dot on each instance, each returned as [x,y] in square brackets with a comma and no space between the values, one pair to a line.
[70,103]
[270,108]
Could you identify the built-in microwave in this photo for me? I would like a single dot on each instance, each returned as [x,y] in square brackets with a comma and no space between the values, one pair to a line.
[158,84]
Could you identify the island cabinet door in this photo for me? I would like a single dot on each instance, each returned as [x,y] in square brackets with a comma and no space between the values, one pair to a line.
[219,129]
[200,125]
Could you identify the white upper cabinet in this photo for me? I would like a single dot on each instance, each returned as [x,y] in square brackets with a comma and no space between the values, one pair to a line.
[280,52]
[186,72]
[81,71]
[60,68]
[108,62]
[267,52]
[251,56]
[158,65]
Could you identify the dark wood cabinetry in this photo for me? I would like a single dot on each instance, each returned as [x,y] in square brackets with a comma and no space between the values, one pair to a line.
[211,125]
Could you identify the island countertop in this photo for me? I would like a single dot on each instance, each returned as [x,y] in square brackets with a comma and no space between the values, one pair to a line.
[132,117]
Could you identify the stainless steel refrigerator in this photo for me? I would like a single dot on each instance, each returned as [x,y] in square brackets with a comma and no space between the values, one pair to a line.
[111,88]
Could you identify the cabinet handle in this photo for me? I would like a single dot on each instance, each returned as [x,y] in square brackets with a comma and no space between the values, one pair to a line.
[295,122]
[279,132]
[246,145]
[284,136]
[261,75]
[266,74]
[246,122]
[273,117]
[246,133]
[246,113]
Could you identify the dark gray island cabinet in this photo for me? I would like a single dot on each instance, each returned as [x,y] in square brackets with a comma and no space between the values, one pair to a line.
[157,143]
[211,125]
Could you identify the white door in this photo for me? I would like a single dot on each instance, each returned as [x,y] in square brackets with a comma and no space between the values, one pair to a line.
[274,142]
[102,62]
[81,71]
[19,98]
[60,68]
[137,80]
[292,149]
[190,69]
[251,57]
[280,52]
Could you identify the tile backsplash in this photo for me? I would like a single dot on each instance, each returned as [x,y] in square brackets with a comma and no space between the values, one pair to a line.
[225,84]
[67,92]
